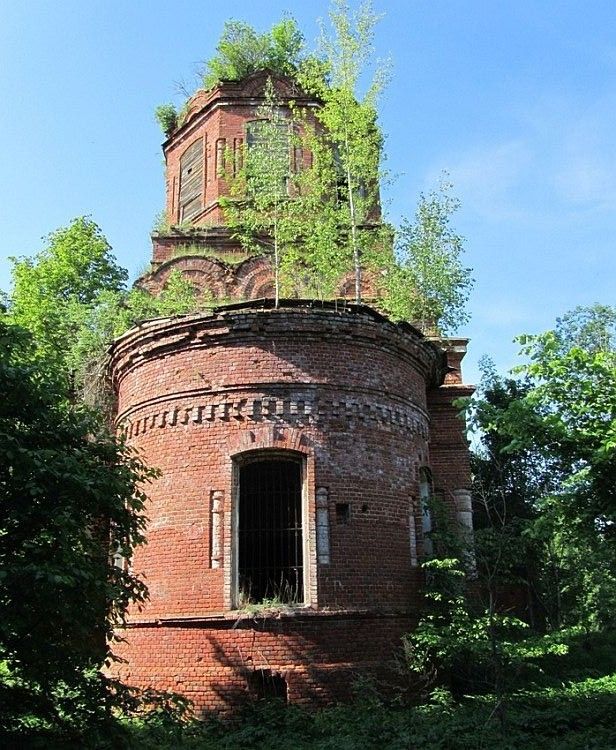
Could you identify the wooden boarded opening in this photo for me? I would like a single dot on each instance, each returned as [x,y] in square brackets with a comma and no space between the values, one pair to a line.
[263,684]
[191,181]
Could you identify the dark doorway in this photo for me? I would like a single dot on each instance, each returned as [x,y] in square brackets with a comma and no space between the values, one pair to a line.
[270,559]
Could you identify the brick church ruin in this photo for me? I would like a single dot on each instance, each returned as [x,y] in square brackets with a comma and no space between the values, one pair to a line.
[297,447]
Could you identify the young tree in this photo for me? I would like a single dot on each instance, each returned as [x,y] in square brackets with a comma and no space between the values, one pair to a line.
[427,283]
[350,125]
[258,209]
[71,496]
[315,264]
[283,200]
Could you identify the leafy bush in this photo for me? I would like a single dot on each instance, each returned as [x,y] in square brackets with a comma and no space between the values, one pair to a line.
[575,716]
[71,495]
[167,117]
[242,51]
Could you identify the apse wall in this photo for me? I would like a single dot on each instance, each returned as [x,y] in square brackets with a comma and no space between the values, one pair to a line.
[341,392]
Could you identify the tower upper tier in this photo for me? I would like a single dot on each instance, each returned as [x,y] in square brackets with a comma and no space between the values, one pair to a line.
[209,141]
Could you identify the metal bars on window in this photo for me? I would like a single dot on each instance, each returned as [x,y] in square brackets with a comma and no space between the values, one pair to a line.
[270,556]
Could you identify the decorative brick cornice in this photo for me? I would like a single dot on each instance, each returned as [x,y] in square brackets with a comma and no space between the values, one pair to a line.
[275,410]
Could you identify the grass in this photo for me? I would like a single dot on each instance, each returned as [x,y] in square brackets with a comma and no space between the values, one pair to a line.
[231,258]
[573,717]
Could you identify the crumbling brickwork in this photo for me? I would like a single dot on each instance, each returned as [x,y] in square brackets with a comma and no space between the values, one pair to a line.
[344,390]
[354,409]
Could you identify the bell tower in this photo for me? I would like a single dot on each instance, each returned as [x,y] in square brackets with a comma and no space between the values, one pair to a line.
[200,153]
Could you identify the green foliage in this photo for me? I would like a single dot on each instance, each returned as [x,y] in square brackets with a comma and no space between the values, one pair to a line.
[242,51]
[258,209]
[318,263]
[568,417]
[574,713]
[458,644]
[161,223]
[556,432]
[167,117]
[72,495]
[350,123]
[54,290]
[112,315]
[318,214]
[317,219]
[545,472]
[72,298]
[60,595]
[574,401]
[544,540]
[427,283]
[290,213]
[592,329]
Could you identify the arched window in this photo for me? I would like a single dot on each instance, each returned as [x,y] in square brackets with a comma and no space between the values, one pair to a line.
[425,496]
[270,557]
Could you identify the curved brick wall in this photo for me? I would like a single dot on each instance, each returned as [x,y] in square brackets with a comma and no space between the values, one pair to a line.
[343,390]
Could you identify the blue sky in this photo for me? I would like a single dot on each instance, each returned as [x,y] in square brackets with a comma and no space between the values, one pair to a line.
[515,99]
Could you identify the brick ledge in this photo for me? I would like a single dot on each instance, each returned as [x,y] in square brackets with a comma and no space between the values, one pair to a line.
[234,618]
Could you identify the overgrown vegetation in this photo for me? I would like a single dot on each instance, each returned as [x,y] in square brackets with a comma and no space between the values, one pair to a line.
[565,704]
[515,646]
[543,577]
[521,650]
[167,117]
[72,492]
[71,496]
[73,298]
[349,122]
[259,210]
[427,282]
[318,213]
[242,51]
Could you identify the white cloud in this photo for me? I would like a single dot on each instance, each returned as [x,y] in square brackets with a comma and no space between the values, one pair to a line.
[484,177]
[557,165]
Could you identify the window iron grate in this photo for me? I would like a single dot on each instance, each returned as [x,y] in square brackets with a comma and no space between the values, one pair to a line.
[270,539]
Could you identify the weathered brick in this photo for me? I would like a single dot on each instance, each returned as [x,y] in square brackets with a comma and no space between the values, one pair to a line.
[364,403]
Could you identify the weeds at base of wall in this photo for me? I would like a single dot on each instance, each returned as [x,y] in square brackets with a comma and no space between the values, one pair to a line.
[575,717]
[566,713]
[261,610]
[567,706]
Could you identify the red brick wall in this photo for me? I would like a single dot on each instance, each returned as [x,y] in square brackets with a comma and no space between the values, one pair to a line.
[449,455]
[348,392]
[219,114]
[319,655]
